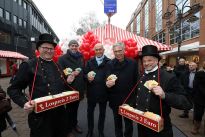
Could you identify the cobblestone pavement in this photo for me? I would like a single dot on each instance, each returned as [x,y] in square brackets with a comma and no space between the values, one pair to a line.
[20,118]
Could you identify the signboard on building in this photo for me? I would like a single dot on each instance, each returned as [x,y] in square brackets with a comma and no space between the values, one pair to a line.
[110,6]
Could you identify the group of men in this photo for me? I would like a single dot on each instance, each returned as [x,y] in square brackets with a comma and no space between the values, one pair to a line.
[192,81]
[45,77]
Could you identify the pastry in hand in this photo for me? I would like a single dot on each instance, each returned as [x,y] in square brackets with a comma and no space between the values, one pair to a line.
[91,74]
[78,69]
[112,77]
[67,71]
[150,84]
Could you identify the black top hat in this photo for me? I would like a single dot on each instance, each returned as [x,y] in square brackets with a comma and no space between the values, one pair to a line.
[46,38]
[150,50]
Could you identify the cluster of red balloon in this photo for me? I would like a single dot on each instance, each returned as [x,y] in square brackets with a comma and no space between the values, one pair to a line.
[57,54]
[88,42]
[131,49]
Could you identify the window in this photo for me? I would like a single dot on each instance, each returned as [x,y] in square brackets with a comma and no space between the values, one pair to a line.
[15,19]
[24,24]
[160,38]
[25,5]
[5,37]
[1,12]
[20,2]
[158,23]
[20,22]
[180,4]
[138,24]
[188,30]
[7,15]
[146,10]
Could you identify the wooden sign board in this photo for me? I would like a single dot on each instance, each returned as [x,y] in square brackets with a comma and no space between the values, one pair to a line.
[53,101]
[141,119]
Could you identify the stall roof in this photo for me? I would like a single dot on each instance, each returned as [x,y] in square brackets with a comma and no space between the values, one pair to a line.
[12,54]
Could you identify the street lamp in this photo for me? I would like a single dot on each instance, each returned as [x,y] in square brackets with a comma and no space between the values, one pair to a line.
[181,16]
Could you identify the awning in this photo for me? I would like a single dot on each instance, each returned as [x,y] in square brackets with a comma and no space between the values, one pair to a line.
[185,48]
[114,34]
[11,54]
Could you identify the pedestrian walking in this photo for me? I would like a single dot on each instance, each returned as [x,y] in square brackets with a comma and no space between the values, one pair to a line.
[187,79]
[199,102]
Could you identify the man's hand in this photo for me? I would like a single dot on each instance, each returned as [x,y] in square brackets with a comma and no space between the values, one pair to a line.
[90,78]
[29,106]
[70,78]
[110,83]
[157,90]
[76,73]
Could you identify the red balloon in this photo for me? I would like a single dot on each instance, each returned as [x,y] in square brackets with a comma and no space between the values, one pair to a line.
[86,55]
[37,53]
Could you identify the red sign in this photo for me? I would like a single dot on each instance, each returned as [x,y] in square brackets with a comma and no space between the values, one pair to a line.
[53,101]
[149,123]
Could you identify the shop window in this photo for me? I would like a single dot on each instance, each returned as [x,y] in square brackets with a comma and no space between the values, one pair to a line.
[7,15]
[5,37]
[24,24]
[15,19]
[25,5]
[20,2]
[20,22]
[1,12]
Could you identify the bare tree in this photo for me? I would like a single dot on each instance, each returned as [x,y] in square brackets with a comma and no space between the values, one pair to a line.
[87,23]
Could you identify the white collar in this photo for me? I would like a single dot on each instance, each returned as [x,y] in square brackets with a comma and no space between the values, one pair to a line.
[154,69]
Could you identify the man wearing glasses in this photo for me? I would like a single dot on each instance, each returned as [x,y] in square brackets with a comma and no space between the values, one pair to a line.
[43,77]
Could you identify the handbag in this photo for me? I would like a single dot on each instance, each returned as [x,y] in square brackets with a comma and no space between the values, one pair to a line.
[5,105]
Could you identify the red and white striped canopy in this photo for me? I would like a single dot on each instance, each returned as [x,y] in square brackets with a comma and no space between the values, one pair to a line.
[114,34]
[11,54]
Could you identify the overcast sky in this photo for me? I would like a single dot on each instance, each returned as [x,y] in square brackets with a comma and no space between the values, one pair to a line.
[63,14]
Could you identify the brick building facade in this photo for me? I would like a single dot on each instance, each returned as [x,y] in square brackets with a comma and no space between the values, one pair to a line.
[147,21]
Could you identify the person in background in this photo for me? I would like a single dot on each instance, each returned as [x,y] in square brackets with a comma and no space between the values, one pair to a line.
[180,68]
[168,90]
[48,81]
[96,89]
[126,72]
[199,99]
[3,124]
[73,60]
[187,79]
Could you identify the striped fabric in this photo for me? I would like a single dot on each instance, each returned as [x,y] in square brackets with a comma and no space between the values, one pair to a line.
[116,34]
[12,54]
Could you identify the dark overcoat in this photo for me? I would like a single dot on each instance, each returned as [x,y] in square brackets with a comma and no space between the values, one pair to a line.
[68,61]
[96,90]
[199,87]
[127,74]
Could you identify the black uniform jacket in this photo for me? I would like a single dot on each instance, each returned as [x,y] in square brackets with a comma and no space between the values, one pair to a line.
[96,90]
[199,87]
[48,81]
[67,61]
[174,96]
[127,74]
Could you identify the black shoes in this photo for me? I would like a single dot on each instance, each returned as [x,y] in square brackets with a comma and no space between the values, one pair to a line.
[89,134]
[184,115]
